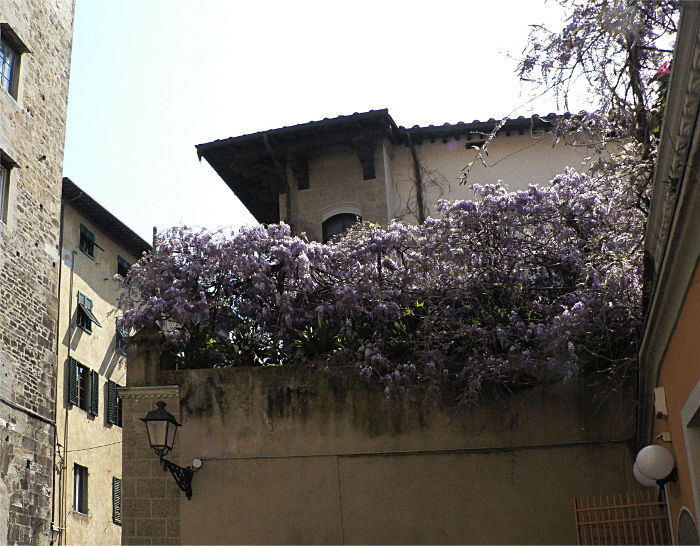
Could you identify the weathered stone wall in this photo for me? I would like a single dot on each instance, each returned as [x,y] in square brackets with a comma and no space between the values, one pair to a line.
[296,456]
[32,130]
[150,496]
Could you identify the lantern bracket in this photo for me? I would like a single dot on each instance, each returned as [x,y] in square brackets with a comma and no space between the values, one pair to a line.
[183,476]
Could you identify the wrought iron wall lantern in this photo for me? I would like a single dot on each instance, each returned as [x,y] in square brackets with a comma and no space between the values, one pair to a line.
[161,427]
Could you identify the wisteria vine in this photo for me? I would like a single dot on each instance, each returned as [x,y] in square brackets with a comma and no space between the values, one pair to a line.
[510,290]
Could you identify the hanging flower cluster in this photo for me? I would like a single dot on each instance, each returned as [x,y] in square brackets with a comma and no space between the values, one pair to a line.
[511,290]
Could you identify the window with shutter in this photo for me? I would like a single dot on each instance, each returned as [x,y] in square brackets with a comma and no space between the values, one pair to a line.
[117,500]
[73,381]
[94,391]
[85,316]
[112,402]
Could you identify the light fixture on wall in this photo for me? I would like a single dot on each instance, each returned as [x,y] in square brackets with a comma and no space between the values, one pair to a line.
[161,427]
[654,466]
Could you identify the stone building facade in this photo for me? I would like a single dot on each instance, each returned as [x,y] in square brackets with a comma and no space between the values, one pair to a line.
[318,175]
[91,365]
[36,40]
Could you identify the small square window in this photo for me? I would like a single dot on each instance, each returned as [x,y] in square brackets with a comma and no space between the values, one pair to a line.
[87,242]
[85,316]
[80,489]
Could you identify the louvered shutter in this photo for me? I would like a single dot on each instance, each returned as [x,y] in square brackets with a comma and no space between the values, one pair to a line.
[94,391]
[112,402]
[117,501]
[88,303]
[73,381]
[81,299]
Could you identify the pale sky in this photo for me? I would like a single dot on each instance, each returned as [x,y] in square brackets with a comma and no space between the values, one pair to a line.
[152,78]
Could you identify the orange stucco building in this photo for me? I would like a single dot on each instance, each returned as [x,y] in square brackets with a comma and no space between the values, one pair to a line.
[669,388]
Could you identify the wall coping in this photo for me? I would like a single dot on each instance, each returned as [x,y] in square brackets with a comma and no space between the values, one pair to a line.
[159,391]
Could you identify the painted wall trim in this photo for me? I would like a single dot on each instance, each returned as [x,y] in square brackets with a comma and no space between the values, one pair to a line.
[690,412]
[673,232]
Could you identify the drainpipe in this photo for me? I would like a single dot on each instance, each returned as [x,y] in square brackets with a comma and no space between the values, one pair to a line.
[419,180]
[62,514]
[283,177]
[58,325]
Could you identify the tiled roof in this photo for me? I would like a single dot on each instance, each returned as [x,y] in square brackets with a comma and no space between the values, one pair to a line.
[107,222]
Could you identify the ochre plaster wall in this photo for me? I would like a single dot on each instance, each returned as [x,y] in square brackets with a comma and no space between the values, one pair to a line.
[679,374]
[335,176]
[88,440]
[293,456]
[516,160]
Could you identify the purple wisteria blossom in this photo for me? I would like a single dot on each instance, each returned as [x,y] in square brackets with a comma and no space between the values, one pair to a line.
[511,290]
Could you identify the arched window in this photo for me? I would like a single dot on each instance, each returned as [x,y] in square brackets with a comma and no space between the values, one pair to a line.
[337,224]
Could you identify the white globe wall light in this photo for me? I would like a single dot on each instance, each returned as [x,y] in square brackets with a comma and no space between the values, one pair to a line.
[641,478]
[654,465]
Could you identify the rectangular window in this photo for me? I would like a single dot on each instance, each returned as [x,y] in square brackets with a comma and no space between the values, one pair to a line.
[85,316]
[80,489]
[120,343]
[114,405]
[11,50]
[117,500]
[4,191]
[87,242]
[121,336]
[8,58]
[83,387]
[123,267]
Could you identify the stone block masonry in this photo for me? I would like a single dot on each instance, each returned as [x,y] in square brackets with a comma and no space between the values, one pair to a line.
[32,132]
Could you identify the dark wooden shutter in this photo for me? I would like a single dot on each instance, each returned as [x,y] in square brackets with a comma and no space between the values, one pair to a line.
[94,391]
[73,381]
[111,402]
[117,501]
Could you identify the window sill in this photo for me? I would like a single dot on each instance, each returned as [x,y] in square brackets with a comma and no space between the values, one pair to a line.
[81,515]
[88,332]
[88,255]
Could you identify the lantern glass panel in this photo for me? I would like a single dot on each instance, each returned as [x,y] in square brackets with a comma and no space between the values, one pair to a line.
[157,433]
[172,430]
